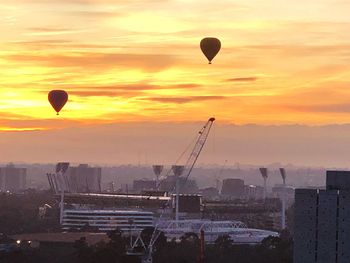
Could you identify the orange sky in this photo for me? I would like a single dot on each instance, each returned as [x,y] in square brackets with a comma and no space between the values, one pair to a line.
[282,62]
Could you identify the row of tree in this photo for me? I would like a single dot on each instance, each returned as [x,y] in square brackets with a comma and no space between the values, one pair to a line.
[271,250]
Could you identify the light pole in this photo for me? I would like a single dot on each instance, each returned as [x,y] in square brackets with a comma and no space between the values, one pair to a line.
[157,169]
[177,170]
[283,174]
[264,174]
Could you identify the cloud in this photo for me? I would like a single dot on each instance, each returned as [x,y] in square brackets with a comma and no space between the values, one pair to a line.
[51,31]
[85,2]
[57,43]
[27,123]
[104,93]
[48,29]
[141,86]
[300,49]
[182,100]
[95,14]
[98,60]
[333,108]
[118,89]
[242,79]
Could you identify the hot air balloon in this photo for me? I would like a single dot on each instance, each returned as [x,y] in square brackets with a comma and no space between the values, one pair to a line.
[210,47]
[58,99]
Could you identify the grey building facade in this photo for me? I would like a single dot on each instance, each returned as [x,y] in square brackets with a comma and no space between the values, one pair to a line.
[322,221]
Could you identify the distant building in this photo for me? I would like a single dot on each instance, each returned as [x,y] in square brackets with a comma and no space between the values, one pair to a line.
[79,179]
[188,203]
[253,192]
[84,179]
[279,190]
[186,186]
[257,213]
[12,179]
[144,185]
[322,221]
[233,188]
[210,193]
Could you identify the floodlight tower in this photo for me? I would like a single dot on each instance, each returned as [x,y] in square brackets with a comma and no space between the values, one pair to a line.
[157,169]
[61,169]
[177,170]
[264,174]
[283,218]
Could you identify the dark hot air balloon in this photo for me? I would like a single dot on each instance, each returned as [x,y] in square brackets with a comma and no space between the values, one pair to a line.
[58,99]
[210,47]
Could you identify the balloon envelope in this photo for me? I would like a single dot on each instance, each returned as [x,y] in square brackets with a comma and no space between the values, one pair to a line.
[210,47]
[58,99]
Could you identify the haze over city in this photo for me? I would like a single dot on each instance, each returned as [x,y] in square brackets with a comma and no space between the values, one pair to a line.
[149,143]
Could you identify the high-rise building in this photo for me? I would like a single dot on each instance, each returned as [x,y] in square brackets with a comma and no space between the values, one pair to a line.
[12,179]
[322,221]
[79,179]
[84,179]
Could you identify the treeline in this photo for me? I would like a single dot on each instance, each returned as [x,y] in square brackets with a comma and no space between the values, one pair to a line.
[272,250]
[20,213]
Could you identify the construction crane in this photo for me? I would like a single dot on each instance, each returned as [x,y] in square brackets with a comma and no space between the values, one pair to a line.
[191,161]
